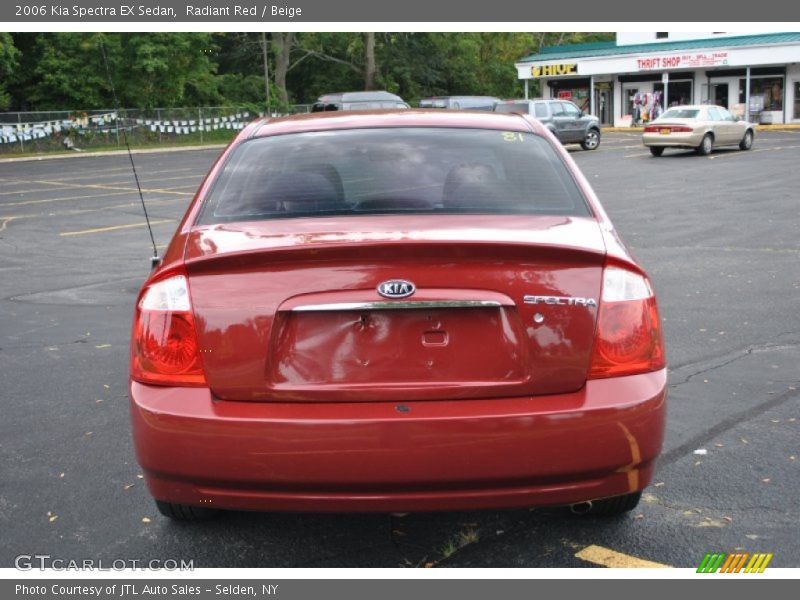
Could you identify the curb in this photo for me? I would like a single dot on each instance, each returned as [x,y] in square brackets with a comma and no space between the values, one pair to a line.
[784,127]
[111,153]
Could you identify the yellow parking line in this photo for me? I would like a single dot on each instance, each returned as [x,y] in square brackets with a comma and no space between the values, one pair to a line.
[610,558]
[6,220]
[112,173]
[79,211]
[134,204]
[97,186]
[115,227]
[26,191]
[143,179]
[191,186]
[105,185]
[65,198]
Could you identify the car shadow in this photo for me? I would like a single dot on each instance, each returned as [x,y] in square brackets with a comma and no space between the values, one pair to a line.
[676,153]
[382,540]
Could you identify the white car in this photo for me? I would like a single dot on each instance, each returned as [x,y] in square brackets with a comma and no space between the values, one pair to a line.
[701,127]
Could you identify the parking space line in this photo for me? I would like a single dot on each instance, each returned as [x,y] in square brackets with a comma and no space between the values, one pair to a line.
[65,198]
[182,187]
[605,557]
[145,179]
[97,186]
[114,227]
[33,191]
[113,173]
[133,204]
[104,186]
[4,221]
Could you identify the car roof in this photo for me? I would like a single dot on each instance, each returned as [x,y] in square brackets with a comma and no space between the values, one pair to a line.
[335,120]
[531,100]
[359,97]
[448,97]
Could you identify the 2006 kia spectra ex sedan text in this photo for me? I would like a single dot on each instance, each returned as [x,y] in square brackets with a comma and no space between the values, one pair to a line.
[396,311]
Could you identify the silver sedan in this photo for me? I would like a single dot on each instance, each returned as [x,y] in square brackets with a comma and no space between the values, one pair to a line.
[702,127]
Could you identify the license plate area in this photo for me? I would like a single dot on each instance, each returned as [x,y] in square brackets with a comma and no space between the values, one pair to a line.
[665,131]
[324,349]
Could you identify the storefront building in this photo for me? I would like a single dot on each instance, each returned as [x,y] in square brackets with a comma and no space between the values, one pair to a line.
[633,79]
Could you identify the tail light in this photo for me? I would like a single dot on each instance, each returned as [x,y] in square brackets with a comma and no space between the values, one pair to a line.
[628,338]
[164,350]
[671,128]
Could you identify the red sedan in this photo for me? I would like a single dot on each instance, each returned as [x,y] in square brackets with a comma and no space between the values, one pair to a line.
[396,311]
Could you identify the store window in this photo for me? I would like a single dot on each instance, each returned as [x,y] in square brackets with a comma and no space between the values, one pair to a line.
[680,92]
[574,90]
[771,88]
[630,104]
[797,99]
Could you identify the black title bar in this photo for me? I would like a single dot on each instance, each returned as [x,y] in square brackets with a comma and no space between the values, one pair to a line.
[342,11]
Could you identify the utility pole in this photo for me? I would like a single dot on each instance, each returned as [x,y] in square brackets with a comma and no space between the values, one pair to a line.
[266,69]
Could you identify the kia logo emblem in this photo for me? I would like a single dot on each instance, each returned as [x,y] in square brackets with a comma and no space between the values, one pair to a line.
[396,288]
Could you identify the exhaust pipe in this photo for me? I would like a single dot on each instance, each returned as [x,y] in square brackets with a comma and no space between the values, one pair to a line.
[581,508]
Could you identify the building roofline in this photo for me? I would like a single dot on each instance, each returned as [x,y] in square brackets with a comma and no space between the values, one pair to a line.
[601,49]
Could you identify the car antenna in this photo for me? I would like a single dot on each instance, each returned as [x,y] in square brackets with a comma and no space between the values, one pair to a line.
[155,260]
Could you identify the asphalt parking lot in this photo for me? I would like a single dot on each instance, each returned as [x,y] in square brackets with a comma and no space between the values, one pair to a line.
[718,235]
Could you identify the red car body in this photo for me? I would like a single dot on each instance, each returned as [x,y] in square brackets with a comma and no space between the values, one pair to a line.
[308,392]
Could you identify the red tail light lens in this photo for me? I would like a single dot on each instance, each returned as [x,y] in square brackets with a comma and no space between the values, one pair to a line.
[628,338]
[670,128]
[164,349]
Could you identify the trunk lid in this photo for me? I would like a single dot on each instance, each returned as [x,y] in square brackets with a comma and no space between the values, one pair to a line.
[288,310]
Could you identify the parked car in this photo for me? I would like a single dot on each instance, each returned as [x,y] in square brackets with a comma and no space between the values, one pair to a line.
[702,127]
[396,311]
[358,101]
[563,118]
[460,102]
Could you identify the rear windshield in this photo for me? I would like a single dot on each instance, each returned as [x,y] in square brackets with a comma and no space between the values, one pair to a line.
[681,113]
[392,171]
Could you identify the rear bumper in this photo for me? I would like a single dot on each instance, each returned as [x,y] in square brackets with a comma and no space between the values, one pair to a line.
[433,455]
[673,140]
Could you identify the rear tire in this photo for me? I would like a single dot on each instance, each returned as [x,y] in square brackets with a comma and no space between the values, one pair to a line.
[184,512]
[592,140]
[655,151]
[705,147]
[618,505]
[747,140]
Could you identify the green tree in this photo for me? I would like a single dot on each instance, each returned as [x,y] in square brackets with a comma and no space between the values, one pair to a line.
[8,62]
[43,71]
[68,70]
[169,69]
